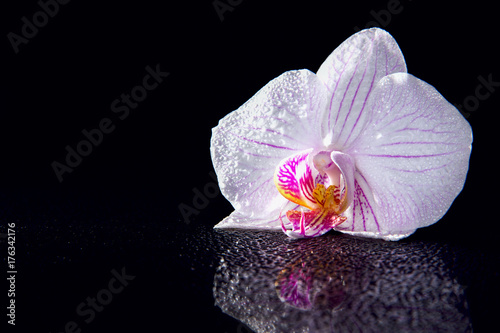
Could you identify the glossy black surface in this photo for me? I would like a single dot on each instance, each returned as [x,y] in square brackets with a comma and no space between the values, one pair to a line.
[190,277]
[112,229]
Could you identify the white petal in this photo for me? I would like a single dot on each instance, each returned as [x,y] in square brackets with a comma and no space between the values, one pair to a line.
[411,160]
[247,145]
[350,73]
[243,221]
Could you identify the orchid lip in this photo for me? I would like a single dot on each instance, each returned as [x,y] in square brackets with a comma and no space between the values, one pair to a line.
[301,179]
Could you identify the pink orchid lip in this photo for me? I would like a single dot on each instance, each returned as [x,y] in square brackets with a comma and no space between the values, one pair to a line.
[316,182]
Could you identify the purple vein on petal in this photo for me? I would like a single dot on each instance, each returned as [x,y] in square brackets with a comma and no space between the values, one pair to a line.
[273,118]
[403,203]
[411,156]
[356,93]
[260,143]
[343,98]
[271,131]
[425,130]
[357,202]
[419,171]
[396,103]
[287,110]
[258,188]
[334,91]
[359,191]
[352,102]
[417,143]
[254,154]
[244,179]
[362,108]
[400,202]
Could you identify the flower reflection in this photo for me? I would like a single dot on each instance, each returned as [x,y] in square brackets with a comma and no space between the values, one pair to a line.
[338,283]
[293,286]
[302,284]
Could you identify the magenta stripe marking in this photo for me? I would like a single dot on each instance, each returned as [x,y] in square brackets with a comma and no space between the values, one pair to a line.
[409,156]
[363,107]
[260,143]
[366,201]
[417,143]
[334,91]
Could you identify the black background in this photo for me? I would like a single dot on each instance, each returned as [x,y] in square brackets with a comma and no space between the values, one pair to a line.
[119,207]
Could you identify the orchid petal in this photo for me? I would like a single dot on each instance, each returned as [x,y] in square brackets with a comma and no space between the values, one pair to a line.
[247,145]
[241,220]
[350,73]
[294,179]
[411,161]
